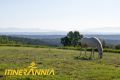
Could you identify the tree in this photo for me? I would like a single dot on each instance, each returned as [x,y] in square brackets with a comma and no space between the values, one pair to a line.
[71,39]
[65,41]
[70,36]
[76,38]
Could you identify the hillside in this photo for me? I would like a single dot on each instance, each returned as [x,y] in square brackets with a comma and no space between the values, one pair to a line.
[11,40]
[55,39]
[68,65]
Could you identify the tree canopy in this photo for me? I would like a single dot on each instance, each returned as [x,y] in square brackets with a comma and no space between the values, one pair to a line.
[71,39]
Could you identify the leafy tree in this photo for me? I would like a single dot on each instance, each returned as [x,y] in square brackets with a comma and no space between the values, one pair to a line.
[76,38]
[71,39]
[70,36]
[65,41]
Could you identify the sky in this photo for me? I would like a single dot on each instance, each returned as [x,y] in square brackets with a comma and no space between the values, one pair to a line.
[101,16]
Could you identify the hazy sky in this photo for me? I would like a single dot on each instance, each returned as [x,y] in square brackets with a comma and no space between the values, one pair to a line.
[60,15]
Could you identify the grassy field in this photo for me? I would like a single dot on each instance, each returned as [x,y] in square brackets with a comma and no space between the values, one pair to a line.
[66,63]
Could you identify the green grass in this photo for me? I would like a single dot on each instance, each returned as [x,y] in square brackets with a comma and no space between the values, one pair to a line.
[68,65]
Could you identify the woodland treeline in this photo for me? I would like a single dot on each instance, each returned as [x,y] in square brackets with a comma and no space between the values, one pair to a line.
[19,40]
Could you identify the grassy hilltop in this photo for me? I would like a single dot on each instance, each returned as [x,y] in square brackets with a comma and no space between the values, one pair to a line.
[66,63]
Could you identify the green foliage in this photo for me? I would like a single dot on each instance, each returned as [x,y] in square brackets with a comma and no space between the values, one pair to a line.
[71,39]
[66,41]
